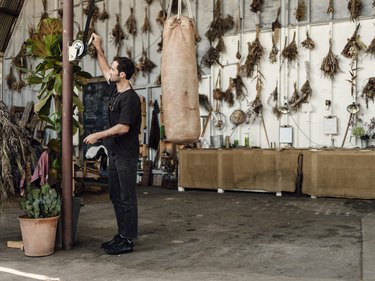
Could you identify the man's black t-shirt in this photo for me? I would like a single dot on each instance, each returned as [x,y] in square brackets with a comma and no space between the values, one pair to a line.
[124,108]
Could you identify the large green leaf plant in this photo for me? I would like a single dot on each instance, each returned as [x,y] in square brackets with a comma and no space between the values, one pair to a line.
[45,46]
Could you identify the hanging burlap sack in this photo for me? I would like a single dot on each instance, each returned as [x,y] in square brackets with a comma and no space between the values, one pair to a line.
[179,79]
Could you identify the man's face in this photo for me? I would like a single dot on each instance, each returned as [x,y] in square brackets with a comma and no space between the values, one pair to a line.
[115,75]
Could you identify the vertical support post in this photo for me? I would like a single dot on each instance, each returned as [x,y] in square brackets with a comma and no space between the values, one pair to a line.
[67,116]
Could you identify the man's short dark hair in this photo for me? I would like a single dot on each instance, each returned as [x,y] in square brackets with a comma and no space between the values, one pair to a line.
[125,65]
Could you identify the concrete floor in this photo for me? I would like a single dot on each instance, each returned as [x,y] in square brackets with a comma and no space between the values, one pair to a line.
[203,235]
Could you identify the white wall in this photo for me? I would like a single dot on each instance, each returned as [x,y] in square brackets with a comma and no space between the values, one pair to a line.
[319,24]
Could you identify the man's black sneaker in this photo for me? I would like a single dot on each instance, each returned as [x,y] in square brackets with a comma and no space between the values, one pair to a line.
[115,239]
[123,246]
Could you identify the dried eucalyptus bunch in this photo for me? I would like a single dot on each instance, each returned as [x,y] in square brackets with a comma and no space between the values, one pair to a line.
[330,8]
[290,52]
[330,64]
[300,11]
[255,54]
[354,7]
[256,5]
[131,23]
[368,91]
[354,46]
[308,43]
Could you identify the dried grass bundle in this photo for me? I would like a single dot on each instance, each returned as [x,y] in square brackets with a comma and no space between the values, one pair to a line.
[368,91]
[300,11]
[210,57]
[256,5]
[290,51]
[255,54]
[146,24]
[117,34]
[228,94]
[219,25]
[104,15]
[145,64]
[330,8]
[371,48]
[293,101]
[354,7]
[330,64]
[354,46]
[239,85]
[308,43]
[161,18]
[131,23]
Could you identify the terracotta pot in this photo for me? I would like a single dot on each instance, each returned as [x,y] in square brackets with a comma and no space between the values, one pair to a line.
[38,235]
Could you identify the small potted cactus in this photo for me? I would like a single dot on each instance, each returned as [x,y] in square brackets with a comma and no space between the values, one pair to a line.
[42,207]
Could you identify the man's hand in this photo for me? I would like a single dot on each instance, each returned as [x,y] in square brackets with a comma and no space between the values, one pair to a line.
[96,41]
[92,138]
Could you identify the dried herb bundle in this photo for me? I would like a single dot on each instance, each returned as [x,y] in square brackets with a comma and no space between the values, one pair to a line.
[256,105]
[293,101]
[290,52]
[330,8]
[146,24]
[371,48]
[205,103]
[305,92]
[217,94]
[149,1]
[369,90]
[354,7]
[11,81]
[308,43]
[104,15]
[256,5]
[145,64]
[161,18]
[210,57]
[117,34]
[273,100]
[330,64]
[255,53]
[300,11]
[273,54]
[239,85]
[228,94]
[354,46]
[219,25]
[131,23]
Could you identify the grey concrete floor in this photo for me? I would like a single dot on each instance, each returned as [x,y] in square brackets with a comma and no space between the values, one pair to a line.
[203,235]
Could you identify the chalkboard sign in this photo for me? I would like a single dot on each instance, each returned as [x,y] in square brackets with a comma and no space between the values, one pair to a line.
[95,114]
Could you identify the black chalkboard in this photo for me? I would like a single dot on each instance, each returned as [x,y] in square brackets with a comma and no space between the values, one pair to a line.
[95,114]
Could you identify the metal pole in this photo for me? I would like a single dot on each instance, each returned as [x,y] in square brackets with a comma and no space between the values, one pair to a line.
[67,142]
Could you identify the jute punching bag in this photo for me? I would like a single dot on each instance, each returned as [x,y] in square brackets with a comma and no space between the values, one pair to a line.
[179,79]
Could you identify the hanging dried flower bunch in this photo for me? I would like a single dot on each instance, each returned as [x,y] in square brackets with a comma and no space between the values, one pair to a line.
[220,46]
[149,1]
[219,25]
[205,103]
[330,9]
[300,11]
[255,53]
[117,34]
[276,26]
[305,92]
[146,24]
[293,101]
[228,94]
[104,15]
[256,105]
[158,80]
[239,85]
[308,43]
[129,52]
[354,46]
[20,60]
[256,5]
[354,7]
[369,90]
[161,18]
[145,64]
[199,72]
[330,64]
[11,80]
[290,52]
[274,96]
[273,54]
[210,57]
[371,48]
[131,23]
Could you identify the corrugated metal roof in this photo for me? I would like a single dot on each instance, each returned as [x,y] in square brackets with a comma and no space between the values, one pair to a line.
[9,12]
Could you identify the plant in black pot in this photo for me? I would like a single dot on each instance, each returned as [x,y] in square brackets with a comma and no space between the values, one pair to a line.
[42,207]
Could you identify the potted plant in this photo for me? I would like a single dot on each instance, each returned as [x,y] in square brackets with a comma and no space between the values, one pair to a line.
[42,207]
[360,132]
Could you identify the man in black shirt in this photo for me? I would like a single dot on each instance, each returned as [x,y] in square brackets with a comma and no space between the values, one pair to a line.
[124,110]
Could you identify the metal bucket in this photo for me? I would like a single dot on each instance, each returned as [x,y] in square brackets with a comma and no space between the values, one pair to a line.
[217,141]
